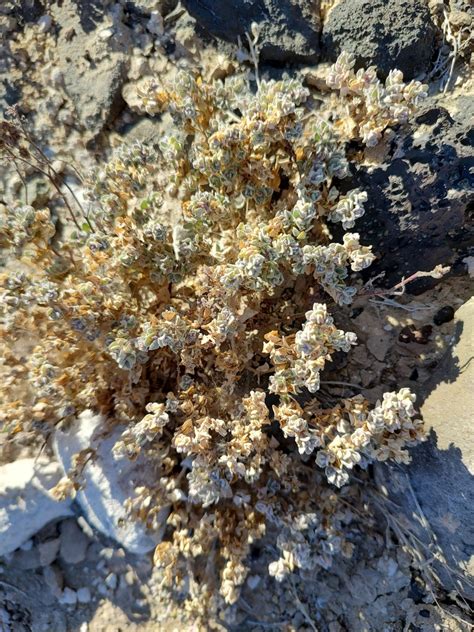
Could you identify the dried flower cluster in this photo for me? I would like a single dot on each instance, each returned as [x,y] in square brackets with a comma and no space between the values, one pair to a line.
[191,307]
[373,106]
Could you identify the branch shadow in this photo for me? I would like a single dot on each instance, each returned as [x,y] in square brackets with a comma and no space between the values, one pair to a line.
[418,204]
[91,13]
[435,492]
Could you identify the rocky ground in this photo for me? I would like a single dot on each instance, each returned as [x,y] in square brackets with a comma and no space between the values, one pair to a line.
[74,69]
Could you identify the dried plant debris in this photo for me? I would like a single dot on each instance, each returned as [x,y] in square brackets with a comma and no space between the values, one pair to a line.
[189,299]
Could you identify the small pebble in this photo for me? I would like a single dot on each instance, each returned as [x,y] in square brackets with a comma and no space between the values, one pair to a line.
[74,542]
[139,66]
[392,568]
[45,23]
[410,333]
[155,23]
[27,546]
[111,581]
[58,166]
[56,76]
[101,566]
[54,579]
[107,553]
[123,585]
[69,597]
[177,495]
[116,12]
[130,577]
[106,34]
[48,551]
[84,595]
[444,315]
[85,526]
[10,24]
[253,581]
[469,263]
[26,560]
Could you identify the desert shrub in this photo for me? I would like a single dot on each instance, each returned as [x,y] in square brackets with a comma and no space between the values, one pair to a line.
[192,308]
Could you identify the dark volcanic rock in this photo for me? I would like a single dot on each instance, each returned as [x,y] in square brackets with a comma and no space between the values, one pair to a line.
[444,315]
[289,28]
[420,198]
[395,34]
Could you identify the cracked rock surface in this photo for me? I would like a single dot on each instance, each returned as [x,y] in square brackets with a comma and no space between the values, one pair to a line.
[289,30]
[397,34]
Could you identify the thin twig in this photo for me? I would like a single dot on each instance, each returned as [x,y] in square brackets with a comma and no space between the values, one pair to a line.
[4,583]
[44,166]
[47,161]
[17,169]
[390,302]
[336,383]
[454,53]
[37,168]
[253,55]
[417,544]
[301,608]
[399,288]
[265,624]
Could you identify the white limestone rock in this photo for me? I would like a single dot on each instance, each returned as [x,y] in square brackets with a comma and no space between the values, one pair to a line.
[26,505]
[109,482]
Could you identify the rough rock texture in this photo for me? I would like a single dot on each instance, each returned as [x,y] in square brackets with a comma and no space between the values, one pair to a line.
[109,482]
[289,28]
[147,6]
[48,551]
[420,197]
[396,34]
[92,48]
[25,503]
[73,542]
[442,471]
